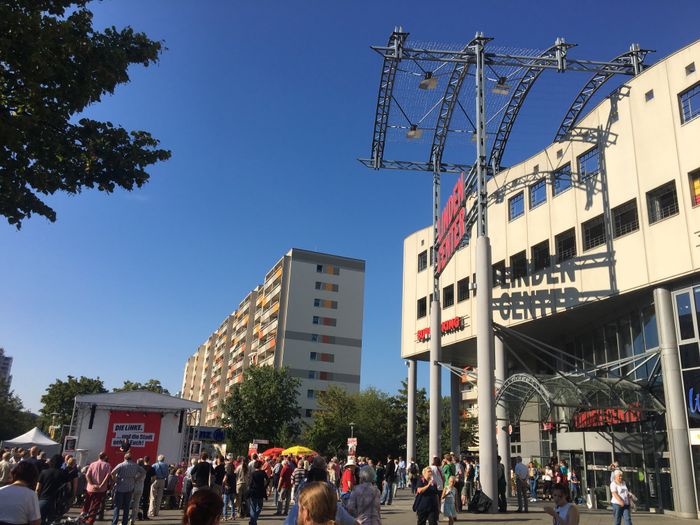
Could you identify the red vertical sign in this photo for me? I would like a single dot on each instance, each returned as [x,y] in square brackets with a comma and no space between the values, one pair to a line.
[141,428]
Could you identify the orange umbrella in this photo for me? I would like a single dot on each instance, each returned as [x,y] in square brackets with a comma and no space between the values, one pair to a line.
[275,451]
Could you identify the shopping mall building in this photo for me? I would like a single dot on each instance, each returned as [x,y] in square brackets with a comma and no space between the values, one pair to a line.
[596,292]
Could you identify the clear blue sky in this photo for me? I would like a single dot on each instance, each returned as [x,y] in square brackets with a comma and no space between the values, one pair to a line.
[265,106]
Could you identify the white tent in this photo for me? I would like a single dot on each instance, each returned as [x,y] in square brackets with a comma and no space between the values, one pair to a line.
[34,437]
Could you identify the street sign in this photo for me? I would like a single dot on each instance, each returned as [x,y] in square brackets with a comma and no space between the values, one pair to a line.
[261,441]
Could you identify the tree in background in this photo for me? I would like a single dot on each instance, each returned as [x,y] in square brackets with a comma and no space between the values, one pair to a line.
[54,65]
[263,406]
[14,419]
[377,419]
[60,396]
[152,385]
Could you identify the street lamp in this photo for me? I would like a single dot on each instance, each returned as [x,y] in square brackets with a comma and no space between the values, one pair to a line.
[352,430]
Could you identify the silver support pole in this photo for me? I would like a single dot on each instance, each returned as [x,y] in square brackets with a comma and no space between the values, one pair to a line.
[676,423]
[435,333]
[484,313]
[455,401]
[411,412]
[502,436]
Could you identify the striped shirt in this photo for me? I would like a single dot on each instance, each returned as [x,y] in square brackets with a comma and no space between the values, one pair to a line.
[126,474]
[298,476]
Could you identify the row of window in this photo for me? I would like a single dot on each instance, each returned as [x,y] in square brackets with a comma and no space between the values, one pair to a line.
[323,376]
[322,356]
[561,179]
[328,287]
[325,303]
[325,321]
[328,268]
[327,339]
[662,202]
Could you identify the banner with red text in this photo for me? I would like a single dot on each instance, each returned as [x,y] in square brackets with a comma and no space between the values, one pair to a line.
[142,429]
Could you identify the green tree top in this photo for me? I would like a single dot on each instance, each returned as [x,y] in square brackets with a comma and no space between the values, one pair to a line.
[152,385]
[54,65]
[60,396]
[14,419]
[263,406]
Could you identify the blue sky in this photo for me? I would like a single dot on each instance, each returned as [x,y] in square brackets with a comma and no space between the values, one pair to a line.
[265,106]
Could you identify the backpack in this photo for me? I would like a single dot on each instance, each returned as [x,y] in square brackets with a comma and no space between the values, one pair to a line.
[480,502]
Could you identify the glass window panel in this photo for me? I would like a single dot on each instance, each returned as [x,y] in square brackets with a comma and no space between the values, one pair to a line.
[516,206]
[611,343]
[685,316]
[696,298]
[625,342]
[638,342]
[691,384]
[561,179]
[651,337]
[690,357]
[690,103]
[538,193]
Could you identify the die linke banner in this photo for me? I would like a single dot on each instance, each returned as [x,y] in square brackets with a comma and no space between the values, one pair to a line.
[141,429]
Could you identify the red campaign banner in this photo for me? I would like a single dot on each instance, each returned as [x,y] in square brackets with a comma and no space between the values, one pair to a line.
[141,428]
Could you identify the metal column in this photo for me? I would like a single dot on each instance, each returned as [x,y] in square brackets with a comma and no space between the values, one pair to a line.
[455,401]
[411,412]
[435,334]
[484,289]
[502,436]
[676,422]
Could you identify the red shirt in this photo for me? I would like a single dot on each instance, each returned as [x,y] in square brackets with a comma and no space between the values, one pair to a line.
[347,481]
[285,481]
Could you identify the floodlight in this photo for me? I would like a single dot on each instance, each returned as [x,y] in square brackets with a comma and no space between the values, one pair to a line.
[414,132]
[501,88]
[428,82]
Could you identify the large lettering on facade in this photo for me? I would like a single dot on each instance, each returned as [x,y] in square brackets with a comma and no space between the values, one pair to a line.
[446,327]
[451,226]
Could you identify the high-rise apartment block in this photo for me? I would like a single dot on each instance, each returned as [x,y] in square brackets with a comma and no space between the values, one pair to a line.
[5,368]
[305,316]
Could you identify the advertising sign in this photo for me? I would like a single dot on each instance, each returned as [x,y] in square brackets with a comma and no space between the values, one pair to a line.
[69,444]
[352,446]
[141,429]
[446,327]
[210,434]
[252,449]
[451,228]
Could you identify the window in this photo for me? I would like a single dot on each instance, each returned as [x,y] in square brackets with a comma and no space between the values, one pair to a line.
[326,303]
[422,260]
[326,321]
[593,233]
[649,95]
[538,193]
[328,268]
[322,356]
[560,153]
[566,245]
[540,256]
[690,68]
[422,308]
[448,296]
[313,374]
[499,273]
[588,164]
[463,289]
[328,287]
[625,219]
[690,103]
[518,266]
[662,202]
[561,179]
[694,187]
[308,412]
[516,206]
[311,394]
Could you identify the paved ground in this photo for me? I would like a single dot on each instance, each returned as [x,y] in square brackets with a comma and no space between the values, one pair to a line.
[400,513]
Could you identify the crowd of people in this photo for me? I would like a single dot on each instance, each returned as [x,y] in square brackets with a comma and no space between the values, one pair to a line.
[35,490]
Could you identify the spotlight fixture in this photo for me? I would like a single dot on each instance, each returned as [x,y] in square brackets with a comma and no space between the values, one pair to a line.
[429,81]
[501,88]
[414,132]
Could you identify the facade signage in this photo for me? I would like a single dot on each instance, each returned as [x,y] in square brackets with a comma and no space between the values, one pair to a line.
[210,434]
[451,227]
[447,327]
[601,417]
[252,449]
[141,429]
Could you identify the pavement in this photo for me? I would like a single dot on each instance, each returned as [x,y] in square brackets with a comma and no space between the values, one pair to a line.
[400,513]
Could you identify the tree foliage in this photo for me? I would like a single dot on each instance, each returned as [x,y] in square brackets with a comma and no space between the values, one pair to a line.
[152,385]
[60,396]
[14,419]
[54,65]
[263,406]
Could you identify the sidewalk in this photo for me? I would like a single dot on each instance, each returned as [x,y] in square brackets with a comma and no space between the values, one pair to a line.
[400,513]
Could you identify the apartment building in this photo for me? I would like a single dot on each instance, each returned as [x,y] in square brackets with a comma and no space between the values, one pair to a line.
[306,315]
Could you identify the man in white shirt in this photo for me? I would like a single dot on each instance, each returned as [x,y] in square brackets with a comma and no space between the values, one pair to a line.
[521,483]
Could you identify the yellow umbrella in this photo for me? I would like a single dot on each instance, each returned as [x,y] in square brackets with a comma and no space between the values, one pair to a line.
[298,450]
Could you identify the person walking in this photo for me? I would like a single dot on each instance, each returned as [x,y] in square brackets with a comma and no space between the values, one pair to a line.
[125,476]
[284,488]
[574,485]
[468,490]
[413,475]
[242,487]
[347,481]
[426,504]
[502,501]
[620,499]
[521,488]
[565,512]
[533,474]
[147,482]
[218,473]
[257,491]
[229,491]
[449,495]
[98,476]
[160,475]
[389,482]
[363,502]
